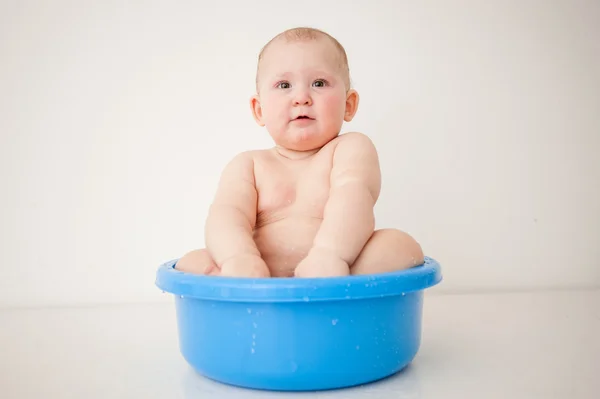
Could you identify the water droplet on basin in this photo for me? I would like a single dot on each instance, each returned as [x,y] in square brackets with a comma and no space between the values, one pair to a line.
[357,347]
[334,321]
[252,350]
[254,325]
[249,310]
[305,299]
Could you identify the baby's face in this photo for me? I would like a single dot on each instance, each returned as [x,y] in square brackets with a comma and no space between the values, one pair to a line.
[303,99]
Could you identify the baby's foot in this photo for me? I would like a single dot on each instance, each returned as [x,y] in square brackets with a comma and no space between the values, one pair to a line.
[245,266]
[197,262]
[322,263]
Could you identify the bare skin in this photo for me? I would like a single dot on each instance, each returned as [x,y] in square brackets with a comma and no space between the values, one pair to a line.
[310,221]
[305,207]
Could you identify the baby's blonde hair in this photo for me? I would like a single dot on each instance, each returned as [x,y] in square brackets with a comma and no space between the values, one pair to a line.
[306,34]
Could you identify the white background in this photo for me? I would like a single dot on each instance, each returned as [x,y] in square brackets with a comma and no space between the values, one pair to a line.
[117,117]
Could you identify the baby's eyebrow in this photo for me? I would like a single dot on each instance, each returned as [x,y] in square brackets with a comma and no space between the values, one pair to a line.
[315,73]
[323,73]
[282,75]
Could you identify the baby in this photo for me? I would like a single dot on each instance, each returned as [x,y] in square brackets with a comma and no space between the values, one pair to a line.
[305,207]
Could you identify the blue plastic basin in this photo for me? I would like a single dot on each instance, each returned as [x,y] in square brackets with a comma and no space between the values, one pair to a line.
[297,334]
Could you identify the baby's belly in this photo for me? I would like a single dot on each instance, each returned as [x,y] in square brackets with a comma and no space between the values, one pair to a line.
[284,243]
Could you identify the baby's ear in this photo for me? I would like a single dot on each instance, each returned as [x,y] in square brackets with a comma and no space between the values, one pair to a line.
[256,109]
[351,105]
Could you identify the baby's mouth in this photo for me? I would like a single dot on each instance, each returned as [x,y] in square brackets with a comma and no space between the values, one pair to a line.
[301,117]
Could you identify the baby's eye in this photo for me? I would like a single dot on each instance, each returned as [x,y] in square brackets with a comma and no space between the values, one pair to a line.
[319,83]
[283,85]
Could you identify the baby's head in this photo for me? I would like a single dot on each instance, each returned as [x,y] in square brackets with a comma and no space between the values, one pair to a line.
[303,92]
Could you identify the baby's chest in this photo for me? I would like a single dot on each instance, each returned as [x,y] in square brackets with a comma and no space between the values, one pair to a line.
[304,190]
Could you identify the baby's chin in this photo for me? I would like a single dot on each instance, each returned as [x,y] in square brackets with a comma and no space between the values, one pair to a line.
[303,140]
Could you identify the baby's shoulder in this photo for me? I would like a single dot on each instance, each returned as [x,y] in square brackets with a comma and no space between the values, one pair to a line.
[239,167]
[354,138]
[247,157]
[245,162]
[354,143]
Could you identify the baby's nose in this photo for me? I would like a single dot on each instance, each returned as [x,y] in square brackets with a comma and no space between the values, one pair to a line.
[302,97]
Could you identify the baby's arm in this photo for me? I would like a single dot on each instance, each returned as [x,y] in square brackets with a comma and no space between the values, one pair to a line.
[231,220]
[348,219]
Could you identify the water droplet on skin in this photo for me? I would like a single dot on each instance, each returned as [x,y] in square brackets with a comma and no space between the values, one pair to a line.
[334,321]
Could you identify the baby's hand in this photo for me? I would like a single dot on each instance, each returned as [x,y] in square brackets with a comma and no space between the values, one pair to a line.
[321,263]
[246,265]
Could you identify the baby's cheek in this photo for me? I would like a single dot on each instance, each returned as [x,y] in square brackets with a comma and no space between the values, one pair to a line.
[335,105]
[273,108]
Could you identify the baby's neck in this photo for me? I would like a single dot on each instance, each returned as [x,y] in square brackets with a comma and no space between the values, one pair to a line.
[295,155]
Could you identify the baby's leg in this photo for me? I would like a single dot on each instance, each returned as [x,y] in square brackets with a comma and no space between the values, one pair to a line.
[388,250]
[198,261]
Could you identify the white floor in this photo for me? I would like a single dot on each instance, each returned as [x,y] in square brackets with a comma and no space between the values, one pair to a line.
[525,345]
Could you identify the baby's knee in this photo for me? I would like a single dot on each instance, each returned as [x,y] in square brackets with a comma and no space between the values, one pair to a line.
[404,243]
